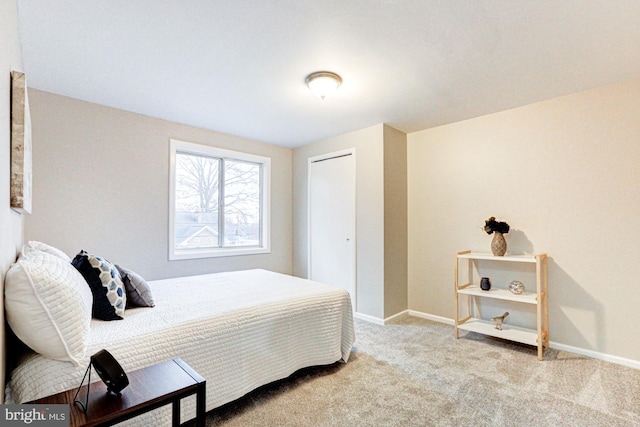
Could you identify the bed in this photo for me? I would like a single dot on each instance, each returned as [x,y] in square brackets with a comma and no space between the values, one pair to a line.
[239,330]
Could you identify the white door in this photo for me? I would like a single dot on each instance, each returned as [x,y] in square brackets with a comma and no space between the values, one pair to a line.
[332,220]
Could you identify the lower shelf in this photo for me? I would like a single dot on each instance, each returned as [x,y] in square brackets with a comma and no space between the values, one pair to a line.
[508,332]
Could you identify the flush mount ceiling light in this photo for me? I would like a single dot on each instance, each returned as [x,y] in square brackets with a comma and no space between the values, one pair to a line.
[323,83]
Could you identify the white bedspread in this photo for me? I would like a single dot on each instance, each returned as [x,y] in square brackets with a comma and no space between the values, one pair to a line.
[239,330]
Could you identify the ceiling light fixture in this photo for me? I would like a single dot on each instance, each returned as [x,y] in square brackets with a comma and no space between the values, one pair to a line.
[323,83]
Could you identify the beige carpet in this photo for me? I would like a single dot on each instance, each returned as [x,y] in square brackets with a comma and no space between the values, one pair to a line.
[415,373]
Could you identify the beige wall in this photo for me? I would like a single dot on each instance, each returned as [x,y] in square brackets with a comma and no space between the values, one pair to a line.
[395,221]
[101,178]
[564,174]
[11,222]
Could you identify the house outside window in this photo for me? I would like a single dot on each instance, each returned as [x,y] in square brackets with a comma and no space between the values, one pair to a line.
[219,202]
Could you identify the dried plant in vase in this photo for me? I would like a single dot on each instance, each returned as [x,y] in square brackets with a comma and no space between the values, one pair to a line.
[497,228]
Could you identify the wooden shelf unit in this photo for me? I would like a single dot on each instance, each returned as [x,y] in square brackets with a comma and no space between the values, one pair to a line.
[539,336]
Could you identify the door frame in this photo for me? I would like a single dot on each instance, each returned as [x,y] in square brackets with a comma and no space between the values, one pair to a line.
[327,156]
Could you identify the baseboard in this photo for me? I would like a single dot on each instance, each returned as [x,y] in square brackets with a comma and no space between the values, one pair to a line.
[379,321]
[396,316]
[368,318]
[596,355]
[433,317]
[555,345]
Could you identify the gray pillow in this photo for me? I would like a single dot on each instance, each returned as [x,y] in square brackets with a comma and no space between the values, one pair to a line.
[138,291]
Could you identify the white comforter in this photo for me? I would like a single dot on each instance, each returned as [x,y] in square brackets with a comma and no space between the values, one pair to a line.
[239,330]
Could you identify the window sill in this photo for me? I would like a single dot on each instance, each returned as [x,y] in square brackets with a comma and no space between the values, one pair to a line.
[217,253]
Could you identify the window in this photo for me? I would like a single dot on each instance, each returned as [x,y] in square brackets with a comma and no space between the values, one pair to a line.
[219,202]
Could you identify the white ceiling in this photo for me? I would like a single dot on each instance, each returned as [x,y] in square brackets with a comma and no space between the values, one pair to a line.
[238,66]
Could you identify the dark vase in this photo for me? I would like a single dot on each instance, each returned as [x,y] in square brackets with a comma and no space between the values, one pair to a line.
[485,284]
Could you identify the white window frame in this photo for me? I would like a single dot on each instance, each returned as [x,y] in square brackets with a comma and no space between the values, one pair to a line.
[178,146]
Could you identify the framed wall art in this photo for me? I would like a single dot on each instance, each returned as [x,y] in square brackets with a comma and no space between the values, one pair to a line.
[20,145]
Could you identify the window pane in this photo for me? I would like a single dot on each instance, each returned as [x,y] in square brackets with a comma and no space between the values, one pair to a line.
[241,203]
[196,201]
[219,202]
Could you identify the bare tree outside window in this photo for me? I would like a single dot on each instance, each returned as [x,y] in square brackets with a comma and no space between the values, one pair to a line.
[241,203]
[219,202]
[197,183]
[196,201]
[199,200]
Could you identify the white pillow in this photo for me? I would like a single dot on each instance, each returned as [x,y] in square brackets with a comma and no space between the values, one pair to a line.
[33,245]
[48,306]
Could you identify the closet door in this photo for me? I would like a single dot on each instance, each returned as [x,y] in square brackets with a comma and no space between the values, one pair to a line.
[332,220]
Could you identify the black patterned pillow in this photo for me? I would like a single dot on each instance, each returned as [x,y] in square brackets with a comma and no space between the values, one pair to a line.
[103,278]
[138,291]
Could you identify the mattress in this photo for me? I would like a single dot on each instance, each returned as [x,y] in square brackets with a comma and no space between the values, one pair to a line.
[239,330]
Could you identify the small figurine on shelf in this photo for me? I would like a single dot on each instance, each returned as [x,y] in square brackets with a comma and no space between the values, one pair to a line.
[499,319]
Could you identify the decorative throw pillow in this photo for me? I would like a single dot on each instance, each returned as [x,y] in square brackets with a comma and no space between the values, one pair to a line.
[103,278]
[33,245]
[138,291]
[48,306]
